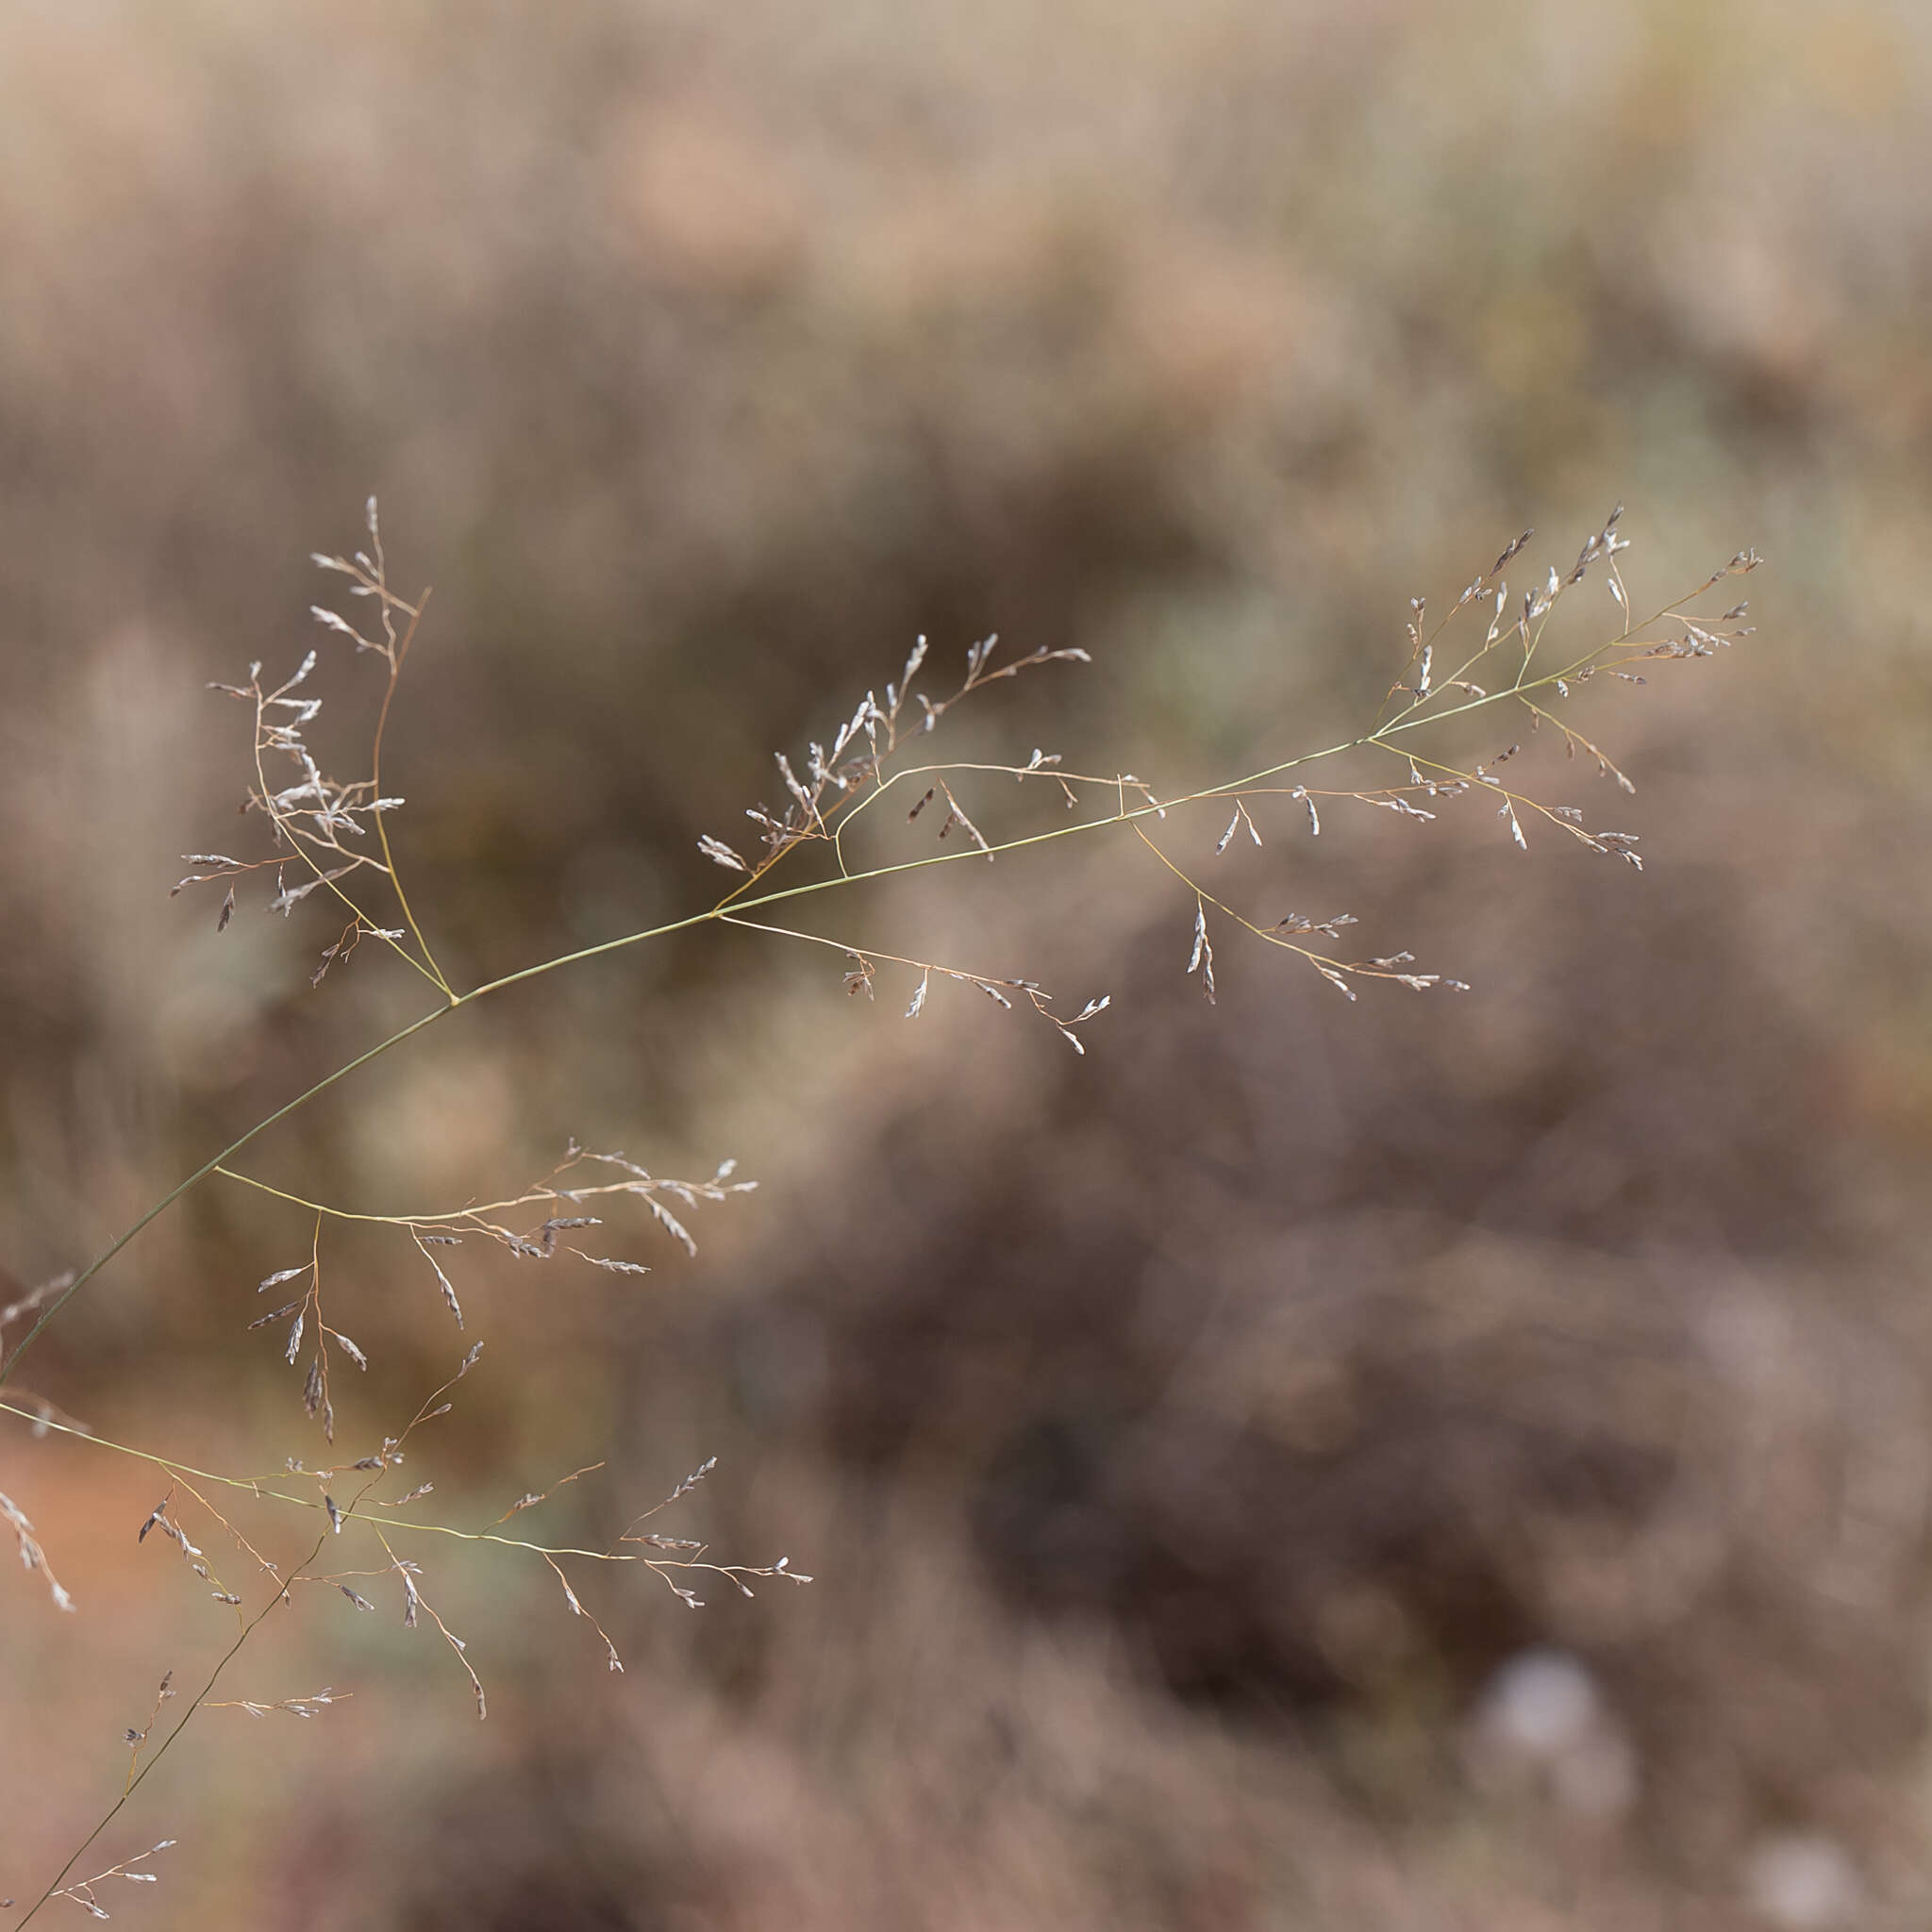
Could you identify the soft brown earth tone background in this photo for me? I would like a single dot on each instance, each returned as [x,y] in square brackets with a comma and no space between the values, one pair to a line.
[1445,1462]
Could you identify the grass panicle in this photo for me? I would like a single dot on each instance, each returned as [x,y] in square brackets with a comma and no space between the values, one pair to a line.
[866,803]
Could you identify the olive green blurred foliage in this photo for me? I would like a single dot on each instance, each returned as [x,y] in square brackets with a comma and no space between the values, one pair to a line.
[1185,1436]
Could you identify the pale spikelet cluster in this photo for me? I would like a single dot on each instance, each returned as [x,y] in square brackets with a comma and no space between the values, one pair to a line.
[323,825]
[82,1890]
[158,1520]
[859,747]
[448,1227]
[1424,697]
[33,1558]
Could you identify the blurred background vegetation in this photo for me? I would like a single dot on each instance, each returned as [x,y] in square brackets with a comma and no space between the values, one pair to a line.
[1432,1462]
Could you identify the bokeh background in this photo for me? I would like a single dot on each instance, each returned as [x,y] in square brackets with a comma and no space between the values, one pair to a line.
[1444,1462]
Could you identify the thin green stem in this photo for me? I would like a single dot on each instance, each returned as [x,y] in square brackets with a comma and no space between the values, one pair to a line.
[134,1784]
[395,878]
[469,1215]
[200,1175]
[256,1487]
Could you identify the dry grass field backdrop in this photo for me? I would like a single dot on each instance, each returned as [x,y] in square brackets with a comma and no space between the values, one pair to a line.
[1445,1460]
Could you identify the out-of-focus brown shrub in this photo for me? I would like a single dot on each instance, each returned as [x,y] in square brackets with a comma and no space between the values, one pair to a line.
[1189,1439]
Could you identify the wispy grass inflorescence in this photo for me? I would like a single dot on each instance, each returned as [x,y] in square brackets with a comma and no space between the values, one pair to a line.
[32,1557]
[82,1890]
[328,841]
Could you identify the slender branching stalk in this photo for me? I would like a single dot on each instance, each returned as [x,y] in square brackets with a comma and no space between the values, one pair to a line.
[335,836]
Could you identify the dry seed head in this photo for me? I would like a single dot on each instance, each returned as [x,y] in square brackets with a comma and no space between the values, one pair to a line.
[321,810]
[1202,959]
[721,853]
